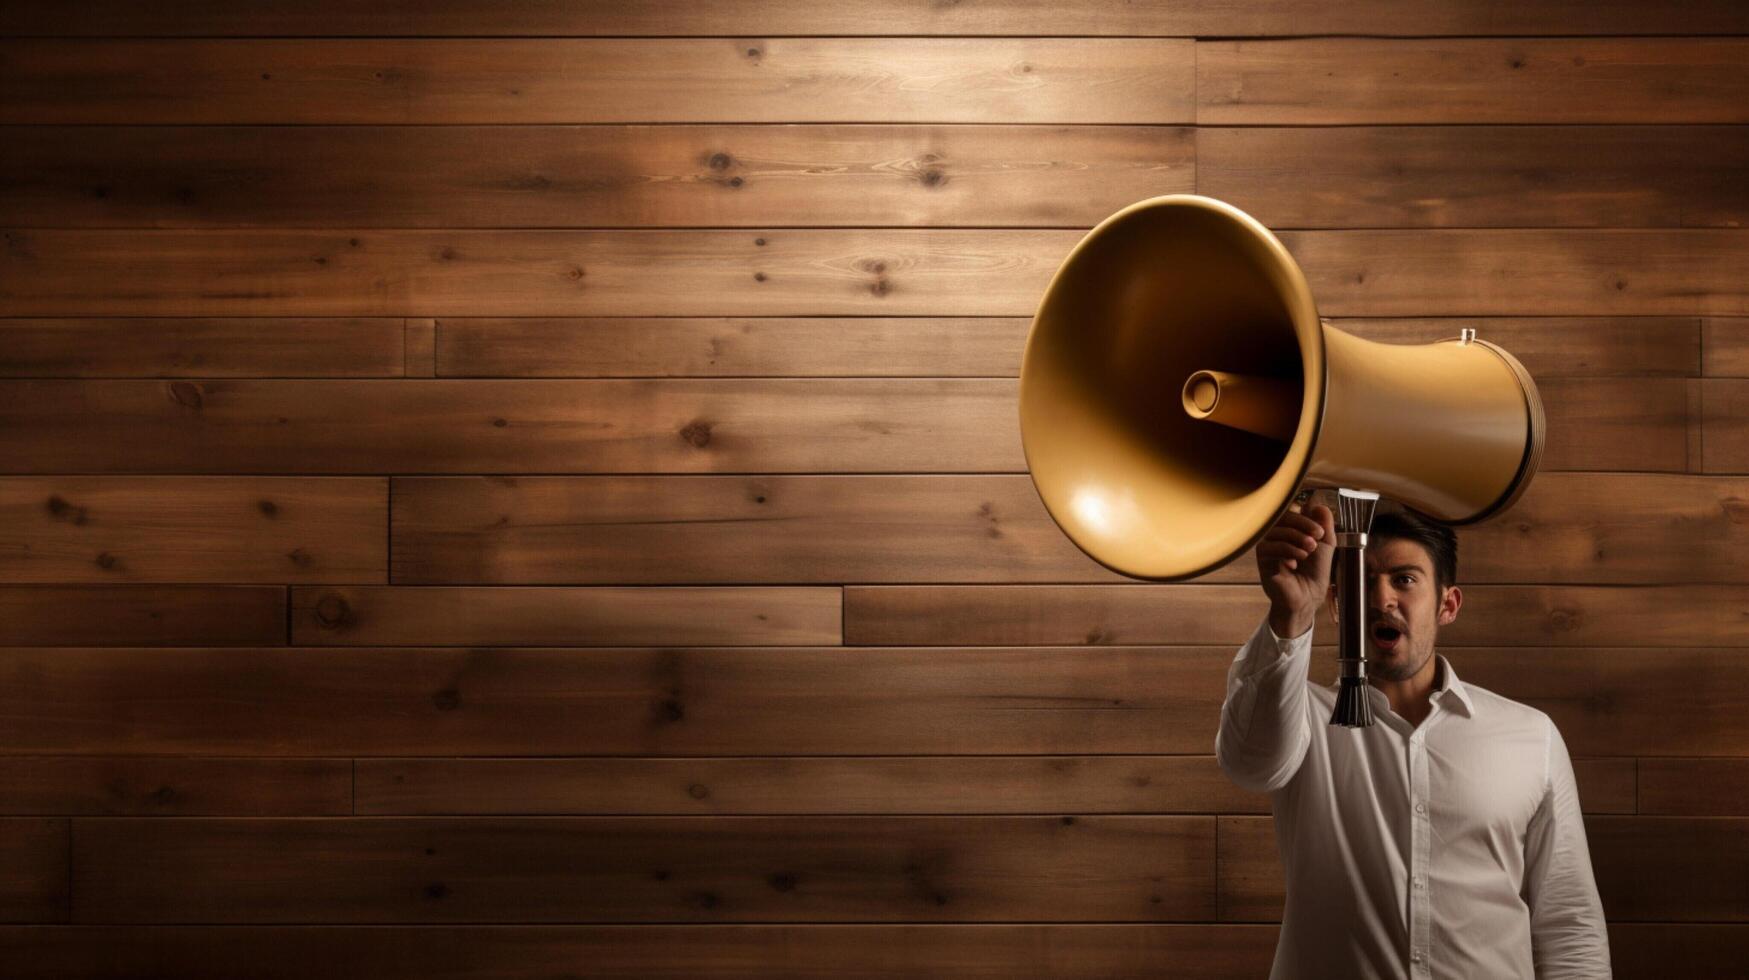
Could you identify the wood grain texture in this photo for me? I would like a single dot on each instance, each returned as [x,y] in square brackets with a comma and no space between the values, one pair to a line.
[93,615]
[1647,868]
[34,870]
[775,425]
[1102,951]
[1345,81]
[1724,425]
[486,701]
[789,785]
[878,785]
[620,80]
[822,272]
[1479,176]
[705,347]
[1568,528]
[851,17]
[1492,615]
[676,175]
[1694,787]
[557,616]
[230,529]
[1725,343]
[545,425]
[787,701]
[1671,869]
[207,347]
[170,786]
[1548,347]
[1128,951]
[649,869]
[685,175]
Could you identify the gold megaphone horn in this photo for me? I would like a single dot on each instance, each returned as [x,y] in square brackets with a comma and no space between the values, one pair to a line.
[1179,390]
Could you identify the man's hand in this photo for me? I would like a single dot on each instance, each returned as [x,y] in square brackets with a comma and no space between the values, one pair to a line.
[1294,560]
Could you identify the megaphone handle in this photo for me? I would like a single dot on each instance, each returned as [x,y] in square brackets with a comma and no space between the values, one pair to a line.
[1353,521]
[1352,708]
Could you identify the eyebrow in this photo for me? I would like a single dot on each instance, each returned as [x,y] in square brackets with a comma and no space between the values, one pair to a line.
[1408,568]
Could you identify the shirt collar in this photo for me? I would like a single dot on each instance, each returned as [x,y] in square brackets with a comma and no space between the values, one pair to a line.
[1459,694]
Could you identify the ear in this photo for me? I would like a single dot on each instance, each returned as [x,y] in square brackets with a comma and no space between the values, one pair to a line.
[1450,603]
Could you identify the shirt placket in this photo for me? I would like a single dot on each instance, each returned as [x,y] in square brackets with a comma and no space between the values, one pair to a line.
[1420,907]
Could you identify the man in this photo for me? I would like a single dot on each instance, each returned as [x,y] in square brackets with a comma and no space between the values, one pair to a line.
[1442,841]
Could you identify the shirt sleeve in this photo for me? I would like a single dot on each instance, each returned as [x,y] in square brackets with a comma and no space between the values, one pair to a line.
[1264,734]
[1568,935]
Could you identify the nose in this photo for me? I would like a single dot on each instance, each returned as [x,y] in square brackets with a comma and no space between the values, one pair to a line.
[1382,598]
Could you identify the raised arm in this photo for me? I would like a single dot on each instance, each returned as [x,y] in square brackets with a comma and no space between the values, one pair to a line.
[1567,932]
[1264,733]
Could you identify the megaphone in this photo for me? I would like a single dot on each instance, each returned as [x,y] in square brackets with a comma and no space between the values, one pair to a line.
[1178,391]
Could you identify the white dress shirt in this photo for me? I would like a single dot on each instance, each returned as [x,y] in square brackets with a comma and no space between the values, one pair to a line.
[1451,849]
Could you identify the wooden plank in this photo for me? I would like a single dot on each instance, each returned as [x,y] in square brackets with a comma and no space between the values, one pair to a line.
[740,529]
[421,347]
[1453,271]
[1695,787]
[1660,869]
[750,951]
[206,347]
[447,701]
[741,701]
[1725,424]
[1568,528]
[558,616]
[1345,81]
[539,273]
[619,80]
[855,425]
[1613,701]
[34,874]
[591,176]
[553,426]
[167,786]
[1671,869]
[868,785]
[1493,615]
[1612,528]
[1606,785]
[231,529]
[1250,878]
[1549,347]
[619,347]
[1646,949]
[880,785]
[850,17]
[650,869]
[113,615]
[825,272]
[1474,176]
[1725,345]
[1201,951]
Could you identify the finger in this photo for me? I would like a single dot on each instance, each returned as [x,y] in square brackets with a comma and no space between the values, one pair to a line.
[1276,549]
[1299,539]
[1299,523]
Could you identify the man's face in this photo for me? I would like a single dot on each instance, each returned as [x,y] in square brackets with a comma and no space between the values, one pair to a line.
[1401,597]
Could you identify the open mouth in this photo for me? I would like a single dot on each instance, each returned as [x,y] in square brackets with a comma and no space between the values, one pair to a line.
[1386,637]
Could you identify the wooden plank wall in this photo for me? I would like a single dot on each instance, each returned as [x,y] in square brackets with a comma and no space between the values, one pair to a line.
[542,480]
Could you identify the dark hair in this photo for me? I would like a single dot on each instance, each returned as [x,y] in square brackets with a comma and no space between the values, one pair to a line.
[1411,525]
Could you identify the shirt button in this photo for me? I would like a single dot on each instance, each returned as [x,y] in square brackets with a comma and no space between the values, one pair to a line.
[1420,808]
[1419,883]
[1416,957]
